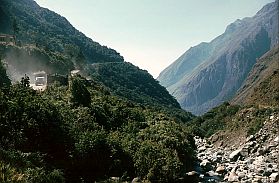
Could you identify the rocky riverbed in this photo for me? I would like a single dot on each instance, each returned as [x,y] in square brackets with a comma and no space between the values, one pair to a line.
[254,160]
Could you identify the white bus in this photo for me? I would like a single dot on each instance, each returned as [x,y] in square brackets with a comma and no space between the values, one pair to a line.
[40,78]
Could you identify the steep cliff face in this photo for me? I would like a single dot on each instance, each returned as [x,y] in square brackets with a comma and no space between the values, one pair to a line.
[211,73]
[185,64]
[262,84]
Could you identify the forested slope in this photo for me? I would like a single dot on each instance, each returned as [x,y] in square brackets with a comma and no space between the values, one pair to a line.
[118,122]
[46,29]
[82,132]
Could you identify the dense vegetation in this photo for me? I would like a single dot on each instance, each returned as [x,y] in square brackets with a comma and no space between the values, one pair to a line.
[120,124]
[129,81]
[228,118]
[82,132]
[214,120]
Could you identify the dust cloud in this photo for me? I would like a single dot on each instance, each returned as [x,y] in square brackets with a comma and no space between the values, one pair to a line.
[21,62]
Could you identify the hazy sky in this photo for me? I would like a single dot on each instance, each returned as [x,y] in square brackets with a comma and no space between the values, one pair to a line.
[152,33]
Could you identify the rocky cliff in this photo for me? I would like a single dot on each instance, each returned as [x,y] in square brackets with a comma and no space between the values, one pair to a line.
[262,84]
[210,73]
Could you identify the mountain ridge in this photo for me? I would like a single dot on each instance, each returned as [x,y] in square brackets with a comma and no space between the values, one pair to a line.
[50,30]
[47,41]
[231,58]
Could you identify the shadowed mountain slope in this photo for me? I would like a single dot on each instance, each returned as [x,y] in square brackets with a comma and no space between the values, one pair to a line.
[211,73]
[262,85]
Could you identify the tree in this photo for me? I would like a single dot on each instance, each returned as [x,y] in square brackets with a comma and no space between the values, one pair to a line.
[25,81]
[80,60]
[4,79]
[80,94]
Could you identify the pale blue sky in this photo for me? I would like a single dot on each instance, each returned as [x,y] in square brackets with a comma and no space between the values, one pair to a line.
[152,33]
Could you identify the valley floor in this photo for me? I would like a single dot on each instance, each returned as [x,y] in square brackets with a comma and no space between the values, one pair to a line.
[254,159]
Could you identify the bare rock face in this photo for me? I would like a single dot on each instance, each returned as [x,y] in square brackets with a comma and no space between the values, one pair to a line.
[232,166]
[210,73]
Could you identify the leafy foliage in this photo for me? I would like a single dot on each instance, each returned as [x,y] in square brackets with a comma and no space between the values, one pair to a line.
[107,136]
[228,118]
[163,152]
[80,94]
[4,79]
[9,173]
[128,81]
[214,120]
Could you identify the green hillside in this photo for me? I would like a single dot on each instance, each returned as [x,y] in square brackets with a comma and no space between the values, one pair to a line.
[118,122]
[44,28]
[82,132]
[47,41]
[131,82]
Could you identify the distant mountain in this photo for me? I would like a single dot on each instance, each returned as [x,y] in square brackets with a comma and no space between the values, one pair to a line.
[211,73]
[36,25]
[185,64]
[262,84]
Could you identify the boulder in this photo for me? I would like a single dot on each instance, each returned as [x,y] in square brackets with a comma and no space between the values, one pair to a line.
[234,155]
[220,169]
[268,172]
[136,180]
[211,173]
[241,175]
[116,179]
[250,138]
[201,149]
[257,179]
[233,177]
[244,152]
[192,176]
[274,177]
[192,173]
[205,165]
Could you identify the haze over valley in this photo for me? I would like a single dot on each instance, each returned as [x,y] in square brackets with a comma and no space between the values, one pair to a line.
[153,34]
